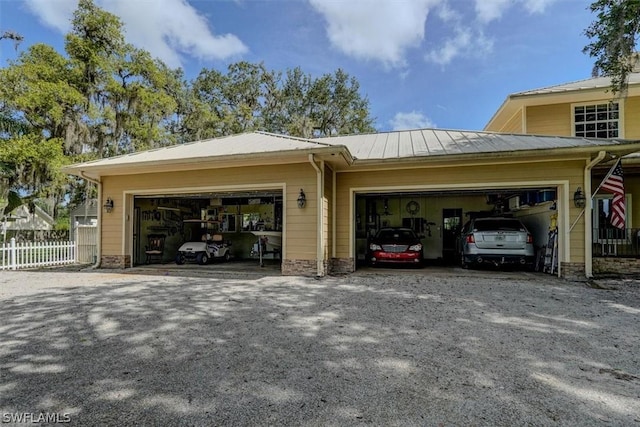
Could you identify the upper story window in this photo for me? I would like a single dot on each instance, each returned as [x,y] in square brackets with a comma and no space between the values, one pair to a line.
[596,120]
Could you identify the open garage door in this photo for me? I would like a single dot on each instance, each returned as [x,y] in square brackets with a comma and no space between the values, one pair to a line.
[438,217]
[229,225]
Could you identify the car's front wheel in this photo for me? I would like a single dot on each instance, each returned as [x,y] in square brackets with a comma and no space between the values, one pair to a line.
[180,259]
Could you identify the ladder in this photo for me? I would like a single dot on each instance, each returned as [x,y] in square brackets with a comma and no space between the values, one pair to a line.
[551,253]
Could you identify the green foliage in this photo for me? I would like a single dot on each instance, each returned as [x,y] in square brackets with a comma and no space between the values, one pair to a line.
[36,88]
[62,220]
[30,163]
[249,98]
[614,36]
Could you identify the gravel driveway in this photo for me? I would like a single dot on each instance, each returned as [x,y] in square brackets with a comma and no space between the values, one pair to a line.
[394,348]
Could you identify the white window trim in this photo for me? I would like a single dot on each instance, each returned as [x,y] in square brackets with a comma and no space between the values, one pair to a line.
[603,101]
[627,218]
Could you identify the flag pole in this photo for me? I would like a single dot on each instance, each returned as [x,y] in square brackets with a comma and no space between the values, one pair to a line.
[594,194]
[605,178]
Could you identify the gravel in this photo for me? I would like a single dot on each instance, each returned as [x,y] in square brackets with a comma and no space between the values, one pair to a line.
[389,347]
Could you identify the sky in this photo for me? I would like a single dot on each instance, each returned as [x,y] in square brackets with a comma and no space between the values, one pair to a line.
[447,64]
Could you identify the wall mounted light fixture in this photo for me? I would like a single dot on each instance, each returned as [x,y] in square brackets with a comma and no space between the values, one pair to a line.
[108,205]
[302,199]
[579,199]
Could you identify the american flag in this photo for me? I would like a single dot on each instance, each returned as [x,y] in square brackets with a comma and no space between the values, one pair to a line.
[613,183]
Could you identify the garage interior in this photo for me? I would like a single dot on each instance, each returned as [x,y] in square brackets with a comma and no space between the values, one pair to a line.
[241,218]
[438,216]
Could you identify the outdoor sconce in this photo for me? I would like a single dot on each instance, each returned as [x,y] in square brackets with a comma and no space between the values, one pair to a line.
[108,205]
[302,199]
[579,200]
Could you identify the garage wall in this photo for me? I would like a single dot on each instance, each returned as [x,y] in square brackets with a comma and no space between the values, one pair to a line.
[299,236]
[444,177]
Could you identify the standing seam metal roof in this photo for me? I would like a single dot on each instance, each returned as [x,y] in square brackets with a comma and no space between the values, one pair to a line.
[246,143]
[443,142]
[417,143]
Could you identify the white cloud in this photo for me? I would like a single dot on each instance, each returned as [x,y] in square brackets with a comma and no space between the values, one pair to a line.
[412,120]
[537,6]
[380,30]
[54,14]
[489,10]
[468,38]
[451,48]
[168,32]
[465,42]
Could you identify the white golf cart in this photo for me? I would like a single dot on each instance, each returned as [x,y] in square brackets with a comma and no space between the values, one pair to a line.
[210,247]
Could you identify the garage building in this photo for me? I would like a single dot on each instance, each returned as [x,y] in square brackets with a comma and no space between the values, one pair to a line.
[316,201]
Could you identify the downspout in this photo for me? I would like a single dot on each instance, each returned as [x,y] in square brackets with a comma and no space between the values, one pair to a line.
[319,251]
[588,232]
[334,197]
[99,236]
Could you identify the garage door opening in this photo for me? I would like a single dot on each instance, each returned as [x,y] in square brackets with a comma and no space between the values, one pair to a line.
[208,228]
[438,217]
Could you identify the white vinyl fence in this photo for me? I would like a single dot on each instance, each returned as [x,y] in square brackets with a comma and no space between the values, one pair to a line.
[36,254]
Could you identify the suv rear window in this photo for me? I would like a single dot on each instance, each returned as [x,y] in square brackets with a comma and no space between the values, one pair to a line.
[498,224]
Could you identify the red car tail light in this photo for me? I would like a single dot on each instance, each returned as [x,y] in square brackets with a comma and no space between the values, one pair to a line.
[471,239]
[529,238]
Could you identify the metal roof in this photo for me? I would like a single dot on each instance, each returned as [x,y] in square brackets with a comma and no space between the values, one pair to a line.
[407,145]
[242,144]
[443,142]
[592,83]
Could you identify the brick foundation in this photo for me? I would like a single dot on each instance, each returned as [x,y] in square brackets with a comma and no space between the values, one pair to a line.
[616,266]
[300,267]
[573,271]
[342,265]
[115,261]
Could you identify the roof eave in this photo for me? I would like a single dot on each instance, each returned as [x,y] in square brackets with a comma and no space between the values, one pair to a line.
[564,152]
[286,156]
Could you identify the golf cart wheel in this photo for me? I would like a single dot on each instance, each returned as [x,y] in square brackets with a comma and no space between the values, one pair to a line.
[180,259]
[227,256]
[202,258]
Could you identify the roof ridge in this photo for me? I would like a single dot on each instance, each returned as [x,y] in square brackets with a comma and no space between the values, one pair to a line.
[294,138]
[558,85]
[566,84]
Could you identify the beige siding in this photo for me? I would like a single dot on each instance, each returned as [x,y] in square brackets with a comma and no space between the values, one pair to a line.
[549,120]
[571,171]
[632,118]
[632,186]
[514,124]
[299,227]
